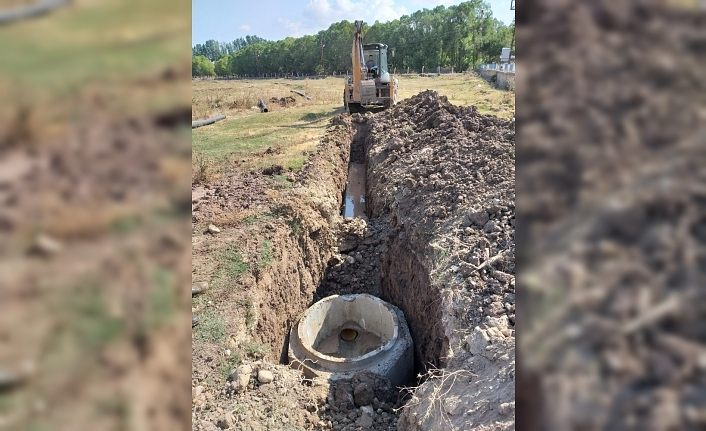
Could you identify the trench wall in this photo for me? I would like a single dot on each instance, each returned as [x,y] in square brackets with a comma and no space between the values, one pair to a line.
[303,240]
[406,283]
[406,267]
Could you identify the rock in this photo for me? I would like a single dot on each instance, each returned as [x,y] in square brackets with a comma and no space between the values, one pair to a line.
[199,287]
[241,377]
[451,405]
[350,260]
[347,245]
[503,276]
[45,245]
[363,394]
[265,376]
[227,421]
[341,397]
[365,420]
[491,226]
[213,229]
[198,390]
[506,408]
[479,218]
[381,386]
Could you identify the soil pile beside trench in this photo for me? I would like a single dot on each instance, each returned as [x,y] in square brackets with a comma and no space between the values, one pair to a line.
[443,177]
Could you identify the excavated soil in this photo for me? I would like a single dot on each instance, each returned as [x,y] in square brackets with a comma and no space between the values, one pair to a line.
[93,266]
[443,178]
[437,240]
[612,173]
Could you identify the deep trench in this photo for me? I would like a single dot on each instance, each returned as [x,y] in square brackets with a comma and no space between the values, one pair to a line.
[385,265]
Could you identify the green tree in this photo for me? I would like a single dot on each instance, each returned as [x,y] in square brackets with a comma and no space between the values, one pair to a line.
[461,36]
[222,66]
[202,66]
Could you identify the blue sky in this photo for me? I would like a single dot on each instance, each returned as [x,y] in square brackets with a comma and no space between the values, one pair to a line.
[225,20]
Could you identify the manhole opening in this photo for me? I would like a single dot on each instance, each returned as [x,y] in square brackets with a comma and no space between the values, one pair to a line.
[348,334]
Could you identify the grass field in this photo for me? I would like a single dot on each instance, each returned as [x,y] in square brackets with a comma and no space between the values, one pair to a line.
[295,129]
[106,40]
[98,49]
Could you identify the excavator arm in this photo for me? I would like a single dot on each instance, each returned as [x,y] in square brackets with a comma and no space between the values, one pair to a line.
[357,56]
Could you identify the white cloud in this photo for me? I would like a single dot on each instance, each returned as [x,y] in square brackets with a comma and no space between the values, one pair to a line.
[245,28]
[293,28]
[322,13]
[431,4]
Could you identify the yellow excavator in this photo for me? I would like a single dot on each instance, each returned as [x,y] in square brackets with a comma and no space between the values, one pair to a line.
[371,84]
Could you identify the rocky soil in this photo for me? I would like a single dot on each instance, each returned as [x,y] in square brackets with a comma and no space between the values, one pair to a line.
[443,179]
[612,178]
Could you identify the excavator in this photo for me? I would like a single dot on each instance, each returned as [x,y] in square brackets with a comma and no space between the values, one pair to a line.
[371,84]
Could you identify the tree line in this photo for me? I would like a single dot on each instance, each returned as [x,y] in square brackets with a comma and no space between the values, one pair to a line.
[460,36]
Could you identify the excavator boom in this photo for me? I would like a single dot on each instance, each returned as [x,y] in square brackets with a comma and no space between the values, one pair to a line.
[357,56]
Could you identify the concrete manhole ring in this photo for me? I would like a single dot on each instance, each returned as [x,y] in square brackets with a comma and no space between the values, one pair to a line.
[345,334]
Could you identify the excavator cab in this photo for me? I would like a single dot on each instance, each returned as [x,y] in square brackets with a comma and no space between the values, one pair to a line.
[376,60]
[371,84]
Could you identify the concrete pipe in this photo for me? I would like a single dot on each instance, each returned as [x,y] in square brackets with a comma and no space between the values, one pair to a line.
[342,335]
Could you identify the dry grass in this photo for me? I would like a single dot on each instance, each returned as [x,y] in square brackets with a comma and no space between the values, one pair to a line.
[233,97]
[462,89]
[203,170]
[240,96]
[292,131]
[443,383]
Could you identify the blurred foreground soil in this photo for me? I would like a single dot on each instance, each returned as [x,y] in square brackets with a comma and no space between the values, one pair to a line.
[94,219]
[611,186]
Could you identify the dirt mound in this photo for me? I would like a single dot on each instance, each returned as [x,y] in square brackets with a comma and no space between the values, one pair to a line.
[356,268]
[249,402]
[233,197]
[283,101]
[612,173]
[443,177]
